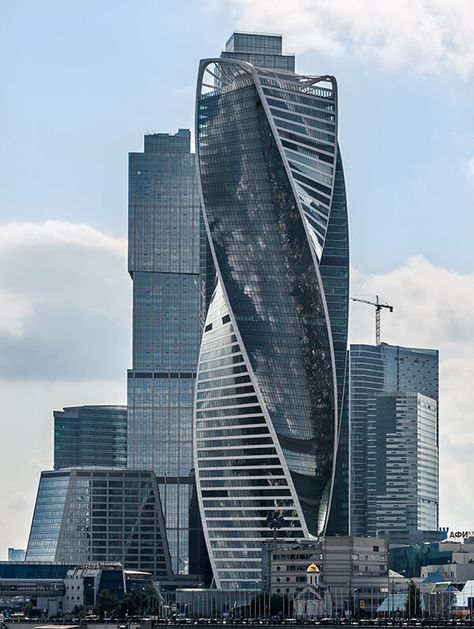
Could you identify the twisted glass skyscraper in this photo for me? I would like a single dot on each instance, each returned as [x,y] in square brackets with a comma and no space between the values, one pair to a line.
[267,409]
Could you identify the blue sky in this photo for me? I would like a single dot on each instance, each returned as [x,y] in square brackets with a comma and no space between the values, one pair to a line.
[82,82]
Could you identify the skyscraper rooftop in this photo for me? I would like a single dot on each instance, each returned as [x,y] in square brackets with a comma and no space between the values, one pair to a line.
[263,51]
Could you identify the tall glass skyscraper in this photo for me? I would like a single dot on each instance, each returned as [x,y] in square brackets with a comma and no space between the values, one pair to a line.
[267,417]
[402,467]
[379,376]
[165,247]
[90,435]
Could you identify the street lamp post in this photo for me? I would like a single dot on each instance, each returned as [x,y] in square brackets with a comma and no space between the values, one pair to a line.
[354,606]
[388,583]
[275,520]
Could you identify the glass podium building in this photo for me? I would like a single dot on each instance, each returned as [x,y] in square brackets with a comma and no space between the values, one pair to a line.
[100,515]
[268,404]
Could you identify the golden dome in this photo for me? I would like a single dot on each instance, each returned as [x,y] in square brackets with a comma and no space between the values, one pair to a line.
[312,568]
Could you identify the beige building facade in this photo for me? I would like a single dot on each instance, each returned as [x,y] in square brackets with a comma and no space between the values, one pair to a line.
[353,568]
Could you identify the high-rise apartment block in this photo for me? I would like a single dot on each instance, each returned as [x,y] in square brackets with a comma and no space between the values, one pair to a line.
[100,515]
[165,253]
[90,435]
[268,409]
[394,441]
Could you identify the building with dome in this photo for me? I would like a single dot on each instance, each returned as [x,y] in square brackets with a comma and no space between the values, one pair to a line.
[314,600]
[353,568]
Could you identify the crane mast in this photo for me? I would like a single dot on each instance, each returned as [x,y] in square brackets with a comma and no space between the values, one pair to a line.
[378,307]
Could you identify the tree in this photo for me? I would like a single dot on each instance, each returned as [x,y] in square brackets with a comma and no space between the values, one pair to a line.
[413,603]
[278,605]
[77,610]
[106,602]
[138,602]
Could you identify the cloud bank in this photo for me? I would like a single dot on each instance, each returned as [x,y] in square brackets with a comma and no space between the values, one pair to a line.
[65,337]
[64,340]
[422,34]
[65,299]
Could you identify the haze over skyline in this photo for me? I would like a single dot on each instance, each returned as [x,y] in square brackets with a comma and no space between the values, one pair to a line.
[85,81]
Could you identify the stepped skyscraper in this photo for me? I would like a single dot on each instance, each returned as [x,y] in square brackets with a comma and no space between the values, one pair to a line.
[271,373]
[394,441]
[164,263]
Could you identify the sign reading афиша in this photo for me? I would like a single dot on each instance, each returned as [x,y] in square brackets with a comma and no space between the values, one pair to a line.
[458,535]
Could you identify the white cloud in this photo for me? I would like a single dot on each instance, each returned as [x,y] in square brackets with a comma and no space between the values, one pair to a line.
[433,307]
[15,311]
[422,34]
[54,233]
[470,169]
[65,302]
[64,338]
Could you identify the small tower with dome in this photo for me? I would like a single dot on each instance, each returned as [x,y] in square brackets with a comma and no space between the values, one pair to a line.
[314,600]
[312,574]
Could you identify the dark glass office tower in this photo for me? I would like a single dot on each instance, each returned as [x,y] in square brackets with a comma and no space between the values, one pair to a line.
[402,467]
[266,416]
[90,435]
[165,248]
[375,372]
